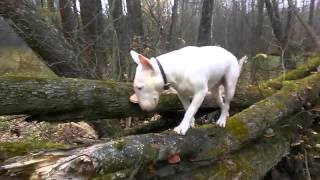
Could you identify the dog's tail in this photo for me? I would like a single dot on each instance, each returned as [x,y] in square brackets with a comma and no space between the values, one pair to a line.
[242,61]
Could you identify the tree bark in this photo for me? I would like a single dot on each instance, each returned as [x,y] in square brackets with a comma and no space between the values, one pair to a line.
[205,23]
[42,37]
[207,142]
[77,99]
[311,12]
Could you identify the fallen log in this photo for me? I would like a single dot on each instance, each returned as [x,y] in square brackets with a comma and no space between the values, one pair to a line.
[77,99]
[59,99]
[247,95]
[252,161]
[207,142]
[43,38]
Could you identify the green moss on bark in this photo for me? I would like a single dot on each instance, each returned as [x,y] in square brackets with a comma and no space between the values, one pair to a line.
[24,146]
[237,128]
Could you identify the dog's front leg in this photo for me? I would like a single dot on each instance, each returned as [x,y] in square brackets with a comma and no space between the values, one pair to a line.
[191,111]
[185,100]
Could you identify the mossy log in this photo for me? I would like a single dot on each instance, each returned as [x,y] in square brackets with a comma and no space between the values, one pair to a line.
[252,161]
[24,146]
[60,99]
[207,142]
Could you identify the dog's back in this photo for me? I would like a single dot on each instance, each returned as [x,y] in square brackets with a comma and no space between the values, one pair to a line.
[208,62]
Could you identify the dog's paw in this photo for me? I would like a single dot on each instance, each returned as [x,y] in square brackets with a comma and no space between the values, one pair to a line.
[182,130]
[193,124]
[221,123]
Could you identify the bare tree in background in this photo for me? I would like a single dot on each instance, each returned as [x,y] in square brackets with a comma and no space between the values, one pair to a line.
[68,19]
[205,23]
[119,39]
[93,27]
[315,38]
[259,27]
[135,31]
[135,20]
[311,12]
[275,19]
[172,37]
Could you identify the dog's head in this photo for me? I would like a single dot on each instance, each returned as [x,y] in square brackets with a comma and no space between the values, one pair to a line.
[148,82]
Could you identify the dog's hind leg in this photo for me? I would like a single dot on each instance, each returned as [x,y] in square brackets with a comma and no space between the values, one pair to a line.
[229,89]
[216,96]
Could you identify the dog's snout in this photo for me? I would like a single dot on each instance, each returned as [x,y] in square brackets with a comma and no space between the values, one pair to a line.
[148,105]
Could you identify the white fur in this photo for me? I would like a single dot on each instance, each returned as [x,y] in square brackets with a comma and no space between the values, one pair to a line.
[192,72]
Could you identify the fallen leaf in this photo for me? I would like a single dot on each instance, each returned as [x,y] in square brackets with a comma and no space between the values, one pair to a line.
[174,159]
[133,98]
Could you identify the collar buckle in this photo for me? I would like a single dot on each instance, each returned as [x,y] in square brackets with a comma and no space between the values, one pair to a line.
[166,86]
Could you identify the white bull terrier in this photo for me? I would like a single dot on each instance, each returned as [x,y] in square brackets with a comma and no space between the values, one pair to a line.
[192,72]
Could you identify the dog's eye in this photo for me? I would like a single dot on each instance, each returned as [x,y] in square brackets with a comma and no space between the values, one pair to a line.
[139,88]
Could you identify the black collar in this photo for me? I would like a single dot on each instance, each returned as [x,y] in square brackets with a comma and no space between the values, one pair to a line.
[166,85]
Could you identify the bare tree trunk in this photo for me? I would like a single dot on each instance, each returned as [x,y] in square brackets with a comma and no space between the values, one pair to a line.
[286,32]
[136,32]
[68,20]
[43,3]
[273,13]
[205,23]
[93,26]
[121,48]
[135,20]
[257,41]
[172,37]
[307,27]
[311,12]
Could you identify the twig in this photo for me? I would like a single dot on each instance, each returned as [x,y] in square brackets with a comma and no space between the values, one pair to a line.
[306,164]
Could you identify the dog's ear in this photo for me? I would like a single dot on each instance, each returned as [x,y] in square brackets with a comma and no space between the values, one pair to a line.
[140,59]
[135,56]
[145,62]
